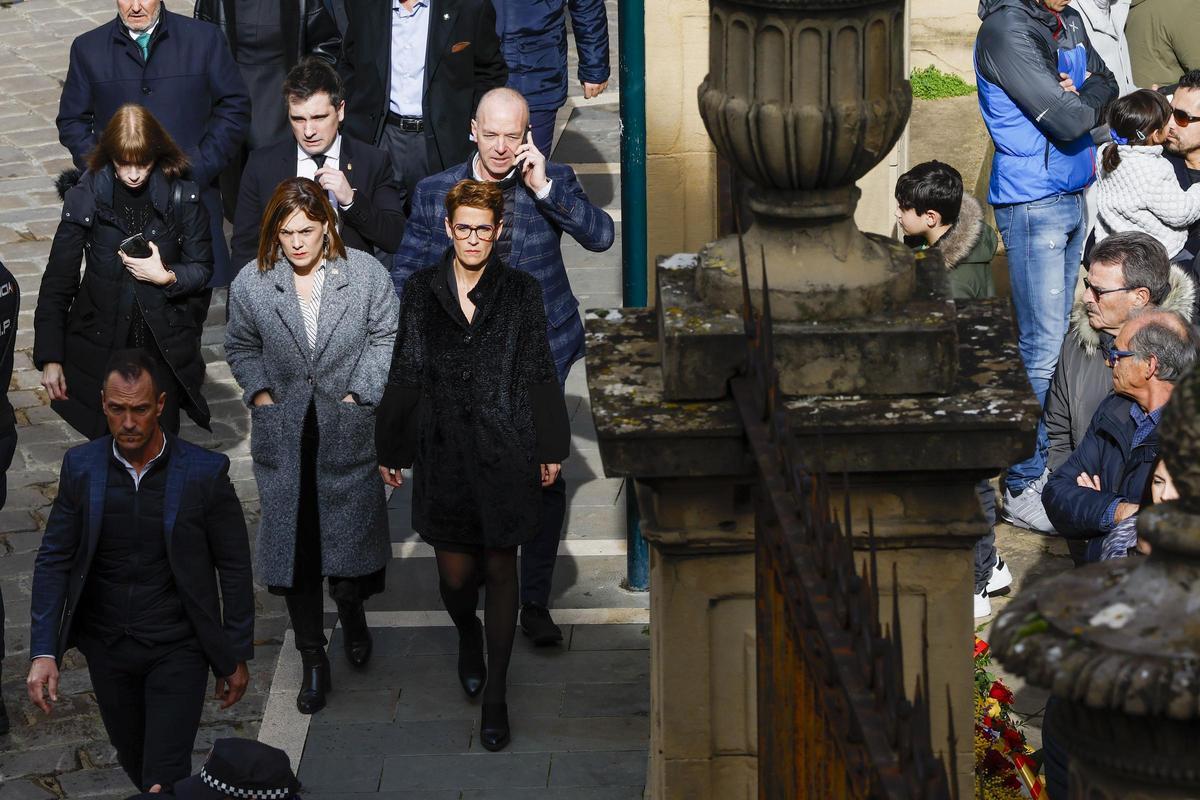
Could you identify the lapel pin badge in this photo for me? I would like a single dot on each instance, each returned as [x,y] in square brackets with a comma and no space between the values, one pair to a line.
[445,16]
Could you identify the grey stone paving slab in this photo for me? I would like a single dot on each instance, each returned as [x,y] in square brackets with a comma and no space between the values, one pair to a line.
[340,773]
[404,737]
[24,790]
[437,794]
[572,793]
[621,768]
[420,703]
[559,735]
[47,761]
[611,637]
[96,783]
[468,771]
[606,700]
[370,705]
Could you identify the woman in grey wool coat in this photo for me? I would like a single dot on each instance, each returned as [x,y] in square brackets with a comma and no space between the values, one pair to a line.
[309,340]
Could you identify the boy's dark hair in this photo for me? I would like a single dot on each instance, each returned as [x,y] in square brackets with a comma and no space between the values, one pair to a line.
[1132,119]
[931,186]
[313,76]
[131,364]
[1189,80]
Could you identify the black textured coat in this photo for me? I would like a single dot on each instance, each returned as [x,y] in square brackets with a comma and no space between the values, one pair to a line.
[80,322]
[475,408]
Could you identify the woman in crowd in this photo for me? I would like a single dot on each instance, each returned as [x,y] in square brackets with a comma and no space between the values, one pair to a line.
[473,404]
[1123,540]
[144,236]
[309,340]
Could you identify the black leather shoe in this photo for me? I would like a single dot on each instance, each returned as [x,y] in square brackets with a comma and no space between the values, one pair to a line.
[316,682]
[472,671]
[493,727]
[537,625]
[356,636]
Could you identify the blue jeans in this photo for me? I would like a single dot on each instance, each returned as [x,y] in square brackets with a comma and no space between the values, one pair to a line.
[1044,240]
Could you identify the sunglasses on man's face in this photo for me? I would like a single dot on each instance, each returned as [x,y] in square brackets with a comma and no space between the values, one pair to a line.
[1096,290]
[1112,356]
[1182,118]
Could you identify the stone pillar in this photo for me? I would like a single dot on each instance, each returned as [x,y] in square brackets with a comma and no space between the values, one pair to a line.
[1116,642]
[704,735]
[909,395]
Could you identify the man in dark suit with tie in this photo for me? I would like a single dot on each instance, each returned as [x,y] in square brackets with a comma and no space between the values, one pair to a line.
[359,178]
[415,70]
[143,525]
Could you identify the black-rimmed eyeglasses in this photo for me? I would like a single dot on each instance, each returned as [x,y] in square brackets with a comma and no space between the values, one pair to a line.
[485,232]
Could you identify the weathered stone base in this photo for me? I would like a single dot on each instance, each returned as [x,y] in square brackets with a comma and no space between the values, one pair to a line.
[908,350]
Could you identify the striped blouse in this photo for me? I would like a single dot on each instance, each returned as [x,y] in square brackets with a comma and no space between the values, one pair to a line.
[311,310]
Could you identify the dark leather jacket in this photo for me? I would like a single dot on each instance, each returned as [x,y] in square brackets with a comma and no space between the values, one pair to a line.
[308,25]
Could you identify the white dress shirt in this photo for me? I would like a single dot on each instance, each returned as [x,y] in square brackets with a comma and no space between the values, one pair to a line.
[410,39]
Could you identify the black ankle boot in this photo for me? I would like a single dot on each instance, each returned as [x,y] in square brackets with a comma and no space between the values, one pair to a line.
[472,671]
[493,727]
[356,636]
[315,681]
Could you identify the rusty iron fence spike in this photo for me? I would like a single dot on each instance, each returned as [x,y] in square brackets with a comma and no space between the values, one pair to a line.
[896,635]
[846,500]
[951,745]
[748,320]
[873,549]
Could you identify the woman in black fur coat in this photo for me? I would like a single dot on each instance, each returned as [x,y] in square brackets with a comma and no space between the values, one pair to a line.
[134,185]
[474,405]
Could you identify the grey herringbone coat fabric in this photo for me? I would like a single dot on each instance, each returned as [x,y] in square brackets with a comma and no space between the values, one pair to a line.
[266,347]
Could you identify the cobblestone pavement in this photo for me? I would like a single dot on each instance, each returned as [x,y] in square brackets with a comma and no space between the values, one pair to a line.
[67,754]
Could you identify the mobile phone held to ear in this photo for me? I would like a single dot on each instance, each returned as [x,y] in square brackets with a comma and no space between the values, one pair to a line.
[135,246]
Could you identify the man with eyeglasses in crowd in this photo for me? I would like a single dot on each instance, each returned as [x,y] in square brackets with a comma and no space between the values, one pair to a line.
[1182,149]
[1102,483]
[1129,272]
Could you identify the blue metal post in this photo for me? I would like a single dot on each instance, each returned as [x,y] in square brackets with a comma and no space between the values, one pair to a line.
[631,22]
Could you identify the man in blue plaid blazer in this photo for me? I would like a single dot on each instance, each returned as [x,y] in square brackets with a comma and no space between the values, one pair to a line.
[542,200]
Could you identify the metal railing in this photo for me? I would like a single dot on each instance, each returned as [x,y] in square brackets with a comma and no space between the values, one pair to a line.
[833,717]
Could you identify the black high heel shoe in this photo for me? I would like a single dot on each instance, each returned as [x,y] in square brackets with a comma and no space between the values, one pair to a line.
[493,727]
[356,636]
[316,682]
[472,670]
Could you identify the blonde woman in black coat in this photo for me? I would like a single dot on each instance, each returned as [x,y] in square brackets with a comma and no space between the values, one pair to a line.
[473,404]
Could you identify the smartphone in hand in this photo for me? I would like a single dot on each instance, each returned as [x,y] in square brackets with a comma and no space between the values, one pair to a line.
[135,246]
[521,161]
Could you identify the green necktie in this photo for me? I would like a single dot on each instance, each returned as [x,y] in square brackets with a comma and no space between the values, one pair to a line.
[143,41]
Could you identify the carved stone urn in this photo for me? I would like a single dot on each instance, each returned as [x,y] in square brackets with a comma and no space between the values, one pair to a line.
[803,98]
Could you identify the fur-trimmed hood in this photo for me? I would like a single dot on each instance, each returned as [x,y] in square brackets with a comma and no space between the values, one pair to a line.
[958,242]
[1180,300]
[66,180]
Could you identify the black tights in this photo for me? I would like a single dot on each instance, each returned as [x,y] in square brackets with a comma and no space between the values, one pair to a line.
[460,577]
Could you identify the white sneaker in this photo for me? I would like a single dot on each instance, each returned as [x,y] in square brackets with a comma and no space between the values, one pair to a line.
[1001,577]
[983,605]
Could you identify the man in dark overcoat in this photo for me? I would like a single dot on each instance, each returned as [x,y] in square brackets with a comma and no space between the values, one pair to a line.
[414,71]
[542,200]
[144,531]
[180,69]
[533,36]
[10,307]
